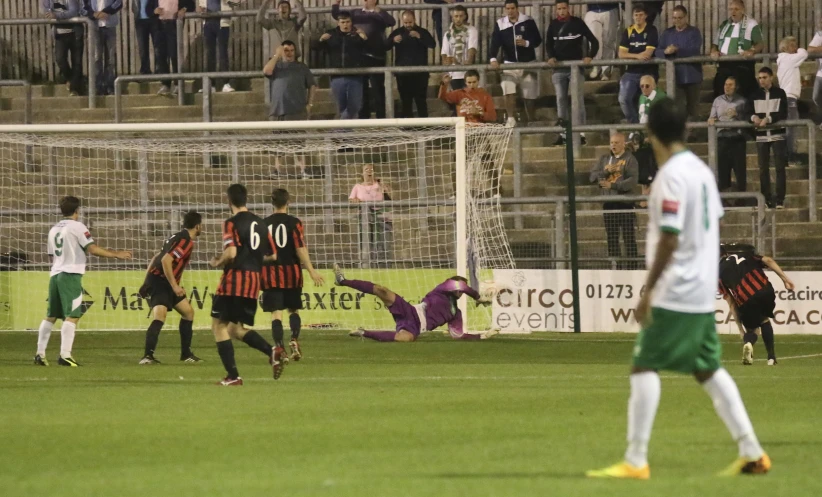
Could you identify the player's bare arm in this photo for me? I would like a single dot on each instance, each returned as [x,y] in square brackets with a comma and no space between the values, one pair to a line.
[773,266]
[732,306]
[305,260]
[668,244]
[226,257]
[168,271]
[99,251]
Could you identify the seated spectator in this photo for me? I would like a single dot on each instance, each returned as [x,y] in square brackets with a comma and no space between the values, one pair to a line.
[411,44]
[436,15]
[788,63]
[107,15]
[147,28]
[603,21]
[68,42]
[168,11]
[380,225]
[216,35]
[731,154]
[815,48]
[678,41]
[518,36]
[638,43]
[568,39]
[738,35]
[473,103]
[285,25]
[770,105]
[650,95]
[616,174]
[345,46]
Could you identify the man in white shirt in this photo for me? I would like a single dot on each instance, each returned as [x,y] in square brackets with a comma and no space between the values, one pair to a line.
[677,309]
[459,45]
[68,242]
[788,61]
[815,48]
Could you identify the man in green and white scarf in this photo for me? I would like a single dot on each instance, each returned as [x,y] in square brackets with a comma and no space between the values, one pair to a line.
[459,45]
[738,35]
[650,95]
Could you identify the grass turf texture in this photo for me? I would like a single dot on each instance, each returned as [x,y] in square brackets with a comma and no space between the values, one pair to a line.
[509,416]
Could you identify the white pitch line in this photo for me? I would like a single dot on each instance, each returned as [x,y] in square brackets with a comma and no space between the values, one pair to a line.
[798,357]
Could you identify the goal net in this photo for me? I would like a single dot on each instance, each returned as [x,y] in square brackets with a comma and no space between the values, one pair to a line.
[424,209]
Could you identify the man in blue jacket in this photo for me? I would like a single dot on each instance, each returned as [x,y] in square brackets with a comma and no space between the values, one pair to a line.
[518,36]
[106,13]
[678,41]
[68,39]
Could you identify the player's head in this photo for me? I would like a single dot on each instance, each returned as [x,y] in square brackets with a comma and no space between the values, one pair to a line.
[458,278]
[193,221]
[471,79]
[280,198]
[237,195]
[70,206]
[666,124]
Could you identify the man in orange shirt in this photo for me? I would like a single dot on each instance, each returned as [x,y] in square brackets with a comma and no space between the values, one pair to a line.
[473,103]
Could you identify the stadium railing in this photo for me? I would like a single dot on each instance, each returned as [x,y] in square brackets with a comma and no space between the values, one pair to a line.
[27,89]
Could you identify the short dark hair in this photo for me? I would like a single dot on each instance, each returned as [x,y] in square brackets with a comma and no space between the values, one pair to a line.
[666,121]
[508,2]
[460,8]
[284,2]
[733,78]
[280,198]
[767,70]
[288,43]
[567,2]
[639,7]
[344,15]
[69,205]
[472,72]
[192,219]
[682,9]
[237,195]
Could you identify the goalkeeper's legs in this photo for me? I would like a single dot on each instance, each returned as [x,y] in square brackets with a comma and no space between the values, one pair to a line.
[382,293]
[385,336]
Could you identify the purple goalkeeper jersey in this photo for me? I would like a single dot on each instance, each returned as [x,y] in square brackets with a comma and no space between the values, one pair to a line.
[441,305]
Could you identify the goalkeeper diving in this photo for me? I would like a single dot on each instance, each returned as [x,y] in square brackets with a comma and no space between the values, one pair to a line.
[438,307]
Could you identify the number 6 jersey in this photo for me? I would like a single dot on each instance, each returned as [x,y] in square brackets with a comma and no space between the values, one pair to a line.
[241,277]
[287,232]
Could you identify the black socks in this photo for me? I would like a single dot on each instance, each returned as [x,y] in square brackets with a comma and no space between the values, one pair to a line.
[277,332]
[153,336]
[185,337]
[294,321]
[255,341]
[226,351]
[767,337]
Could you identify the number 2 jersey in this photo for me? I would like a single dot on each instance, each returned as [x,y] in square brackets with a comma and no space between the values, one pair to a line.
[241,277]
[743,277]
[180,247]
[288,235]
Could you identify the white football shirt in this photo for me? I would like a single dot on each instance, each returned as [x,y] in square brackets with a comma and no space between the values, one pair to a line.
[67,244]
[685,200]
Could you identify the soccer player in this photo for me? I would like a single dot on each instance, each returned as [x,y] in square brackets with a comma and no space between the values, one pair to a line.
[69,242]
[750,296]
[283,281]
[677,309]
[438,307]
[235,302]
[162,285]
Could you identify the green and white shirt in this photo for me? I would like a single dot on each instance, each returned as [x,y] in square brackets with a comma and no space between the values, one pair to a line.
[684,200]
[645,103]
[733,38]
[67,244]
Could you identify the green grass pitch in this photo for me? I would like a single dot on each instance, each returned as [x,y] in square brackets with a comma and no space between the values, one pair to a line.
[512,416]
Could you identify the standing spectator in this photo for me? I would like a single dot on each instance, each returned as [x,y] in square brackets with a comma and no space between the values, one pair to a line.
[603,21]
[168,11]
[731,154]
[770,105]
[815,48]
[678,41]
[373,22]
[68,42]
[381,227]
[107,15]
[147,28]
[436,15]
[738,35]
[292,92]
[616,174]
[650,95]
[459,45]
[653,9]
[412,44]
[518,36]
[568,39]
[638,43]
[788,62]
[345,47]
[285,26]
[216,34]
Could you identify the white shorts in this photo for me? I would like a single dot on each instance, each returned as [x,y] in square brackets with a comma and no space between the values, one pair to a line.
[526,80]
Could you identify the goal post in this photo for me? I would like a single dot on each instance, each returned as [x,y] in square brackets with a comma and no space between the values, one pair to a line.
[427,208]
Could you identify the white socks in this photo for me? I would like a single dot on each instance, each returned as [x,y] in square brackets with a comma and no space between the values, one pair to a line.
[43,335]
[67,338]
[728,404]
[645,392]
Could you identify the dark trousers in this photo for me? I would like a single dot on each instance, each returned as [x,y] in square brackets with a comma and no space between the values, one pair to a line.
[780,159]
[625,223]
[691,92]
[105,60]
[745,74]
[216,43]
[377,90]
[413,90]
[168,33]
[146,29]
[732,157]
[69,47]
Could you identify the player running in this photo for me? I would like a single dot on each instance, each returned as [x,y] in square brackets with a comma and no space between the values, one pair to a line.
[68,243]
[750,296]
[283,280]
[235,302]
[162,286]
[439,307]
[676,312]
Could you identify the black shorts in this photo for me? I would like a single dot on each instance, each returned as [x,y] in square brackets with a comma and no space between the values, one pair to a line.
[238,310]
[280,299]
[757,309]
[160,293]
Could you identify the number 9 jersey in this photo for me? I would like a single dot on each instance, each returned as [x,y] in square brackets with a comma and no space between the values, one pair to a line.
[247,232]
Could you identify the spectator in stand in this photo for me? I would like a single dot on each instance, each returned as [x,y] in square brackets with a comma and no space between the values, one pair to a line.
[650,95]
[518,36]
[678,41]
[168,12]
[603,21]
[738,35]
[473,103]
[568,39]
[770,105]
[411,44]
[285,25]
[292,92]
[373,22]
[459,45]
[147,28]
[68,42]
[616,174]
[381,227]
[107,15]
[788,63]
[346,49]
[216,34]
[638,43]
[436,15]
[731,155]
[815,48]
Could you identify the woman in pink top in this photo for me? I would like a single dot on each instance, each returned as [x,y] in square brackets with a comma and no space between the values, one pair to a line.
[380,226]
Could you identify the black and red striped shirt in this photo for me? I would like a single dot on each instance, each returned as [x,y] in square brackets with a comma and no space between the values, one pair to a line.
[743,276]
[288,234]
[246,232]
[179,247]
